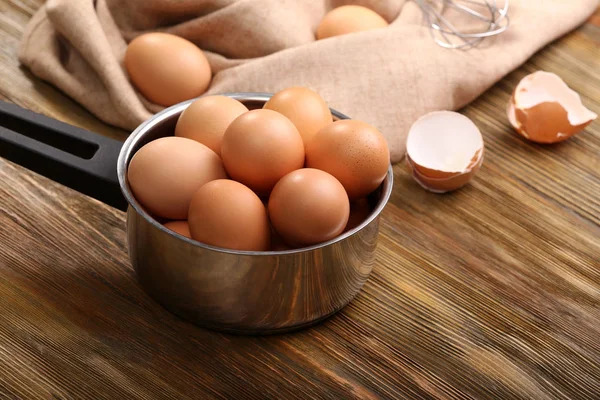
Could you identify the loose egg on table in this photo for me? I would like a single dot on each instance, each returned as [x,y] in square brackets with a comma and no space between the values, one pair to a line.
[349,19]
[167,69]
[276,178]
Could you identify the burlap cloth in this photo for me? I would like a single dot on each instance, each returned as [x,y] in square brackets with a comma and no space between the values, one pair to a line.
[387,77]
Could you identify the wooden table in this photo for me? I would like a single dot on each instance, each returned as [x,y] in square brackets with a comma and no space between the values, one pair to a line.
[490,292]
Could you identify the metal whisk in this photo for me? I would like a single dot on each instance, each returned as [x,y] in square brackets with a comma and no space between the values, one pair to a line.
[490,18]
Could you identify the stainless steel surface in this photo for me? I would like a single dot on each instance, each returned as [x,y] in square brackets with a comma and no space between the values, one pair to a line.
[244,291]
[474,20]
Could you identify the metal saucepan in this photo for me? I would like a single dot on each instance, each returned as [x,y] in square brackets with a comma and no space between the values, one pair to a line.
[243,292]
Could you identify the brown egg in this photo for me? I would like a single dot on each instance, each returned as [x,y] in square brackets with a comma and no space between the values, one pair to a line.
[359,211]
[206,119]
[349,19]
[544,109]
[180,227]
[352,151]
[167,69]
[304,107]
[227,214]
[444,150]
[308,206]
[165,173]
[260,147]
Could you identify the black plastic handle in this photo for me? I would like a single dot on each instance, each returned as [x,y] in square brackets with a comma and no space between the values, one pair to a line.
[74,157]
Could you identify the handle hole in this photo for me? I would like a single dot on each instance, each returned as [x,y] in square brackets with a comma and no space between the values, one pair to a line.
[51,137]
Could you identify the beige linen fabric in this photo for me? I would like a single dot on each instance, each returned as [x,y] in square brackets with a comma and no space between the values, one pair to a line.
[387,77]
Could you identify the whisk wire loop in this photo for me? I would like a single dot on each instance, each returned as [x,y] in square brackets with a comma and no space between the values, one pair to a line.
[492,19]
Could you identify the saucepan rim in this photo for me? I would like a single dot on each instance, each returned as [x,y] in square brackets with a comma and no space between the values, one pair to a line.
[138,134]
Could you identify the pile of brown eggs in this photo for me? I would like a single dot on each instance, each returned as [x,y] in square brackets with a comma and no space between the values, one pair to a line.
[279,177]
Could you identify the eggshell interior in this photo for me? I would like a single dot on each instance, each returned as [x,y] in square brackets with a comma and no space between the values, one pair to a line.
[444,141]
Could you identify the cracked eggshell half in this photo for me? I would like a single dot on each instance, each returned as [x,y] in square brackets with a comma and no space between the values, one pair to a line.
[444,150]
[544,109]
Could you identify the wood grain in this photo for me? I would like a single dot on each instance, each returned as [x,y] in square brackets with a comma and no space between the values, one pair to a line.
[491,292]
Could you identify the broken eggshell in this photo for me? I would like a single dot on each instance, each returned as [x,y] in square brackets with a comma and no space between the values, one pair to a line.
[444,150]
[544,109]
